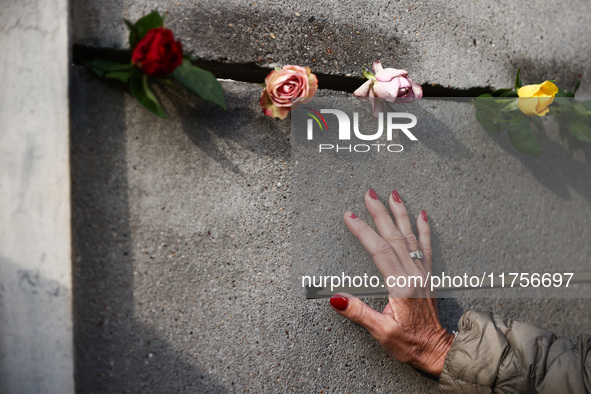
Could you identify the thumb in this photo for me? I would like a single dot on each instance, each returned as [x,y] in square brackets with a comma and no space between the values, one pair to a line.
[358,312]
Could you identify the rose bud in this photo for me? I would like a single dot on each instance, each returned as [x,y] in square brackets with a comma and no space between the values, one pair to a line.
[158,54]
[535,99]
[290,86]
[389,84]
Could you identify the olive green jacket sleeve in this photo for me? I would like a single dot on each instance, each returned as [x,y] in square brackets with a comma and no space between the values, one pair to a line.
[491,354]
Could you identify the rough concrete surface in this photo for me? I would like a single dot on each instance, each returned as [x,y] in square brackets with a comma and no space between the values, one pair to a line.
[451,43]
[35,245]
[182,258]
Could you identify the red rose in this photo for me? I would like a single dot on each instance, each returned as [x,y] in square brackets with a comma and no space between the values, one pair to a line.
[158,54]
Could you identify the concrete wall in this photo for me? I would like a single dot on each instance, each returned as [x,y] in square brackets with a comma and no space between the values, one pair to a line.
[182,244]
[35,279]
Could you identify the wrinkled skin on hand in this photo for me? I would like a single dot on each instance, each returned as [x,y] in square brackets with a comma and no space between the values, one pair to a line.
[416,337]
[408,327]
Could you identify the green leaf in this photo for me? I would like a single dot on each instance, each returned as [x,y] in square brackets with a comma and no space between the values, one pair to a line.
[564,93]
[562,101]
[512,117]
[200,82]
[518,83]
[522,138]
[142,92]
[99,72]
[146,23]
[488,106]
[537,121]
[509,93]
[101,66]
[122,76]
[190,57]
[499,92]
[581,131]
[133,33]
[576,88]
[487,124]
[580,109]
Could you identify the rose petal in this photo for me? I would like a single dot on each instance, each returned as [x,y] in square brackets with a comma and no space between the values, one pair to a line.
[548,88]
[390,73]
[265,100]
[543,103]
[268,111]
[278,79]
[296,69]
[363,90]
[416,88]
[280,112]
[377,66]
[527,105]
[312,84]
[528,90]
[387,89]
[404,82]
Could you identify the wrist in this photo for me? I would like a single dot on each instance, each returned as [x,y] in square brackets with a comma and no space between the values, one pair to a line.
[434,357]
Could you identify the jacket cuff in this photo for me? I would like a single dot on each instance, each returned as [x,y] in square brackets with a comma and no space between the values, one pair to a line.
[472,362]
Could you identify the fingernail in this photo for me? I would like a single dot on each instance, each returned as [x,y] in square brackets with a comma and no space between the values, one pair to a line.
[373,194]
[339,303]
[396,196]
[353,216]
[425,217]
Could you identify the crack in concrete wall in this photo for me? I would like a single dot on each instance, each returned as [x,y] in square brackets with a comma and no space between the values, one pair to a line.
[254,73]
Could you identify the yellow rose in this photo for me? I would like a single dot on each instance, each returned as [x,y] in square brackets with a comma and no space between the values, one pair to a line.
[535,99]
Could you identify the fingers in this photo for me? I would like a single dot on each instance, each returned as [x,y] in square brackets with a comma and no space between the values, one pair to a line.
[402,221]
[389,231]
[424,240]
[381,251]
[359,312]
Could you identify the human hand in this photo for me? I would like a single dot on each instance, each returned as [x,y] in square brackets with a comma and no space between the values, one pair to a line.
[409,326]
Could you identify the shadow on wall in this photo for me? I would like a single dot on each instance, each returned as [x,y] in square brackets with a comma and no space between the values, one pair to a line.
[113,351]
[556,168]
[214,128]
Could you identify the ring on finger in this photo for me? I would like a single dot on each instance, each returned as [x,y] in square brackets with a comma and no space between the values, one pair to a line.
[417,254]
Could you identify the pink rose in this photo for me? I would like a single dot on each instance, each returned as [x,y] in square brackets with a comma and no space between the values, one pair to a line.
[389,84]
[282,86]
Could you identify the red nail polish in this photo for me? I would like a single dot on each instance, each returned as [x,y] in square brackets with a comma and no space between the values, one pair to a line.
[339,303]
[373,194]
[353,216]
[396,196]
[425,217]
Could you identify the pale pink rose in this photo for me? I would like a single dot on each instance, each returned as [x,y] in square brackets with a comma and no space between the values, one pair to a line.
[282,86]
[389,84]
